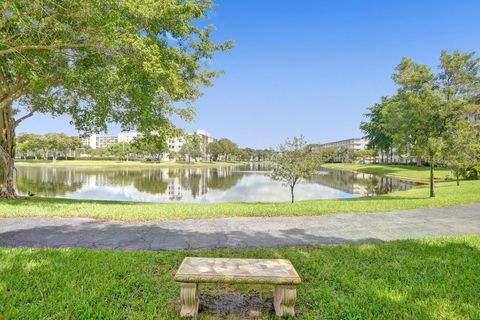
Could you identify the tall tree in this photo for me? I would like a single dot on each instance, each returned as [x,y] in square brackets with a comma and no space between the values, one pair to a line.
[120,150]
[376,131]
[429,109]
[133,62]
[192,147]
[222,147]
[294,163]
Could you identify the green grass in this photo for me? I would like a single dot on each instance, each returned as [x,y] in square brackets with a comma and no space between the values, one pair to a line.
[413,279]
[447,194]
[405,172]
[118,163]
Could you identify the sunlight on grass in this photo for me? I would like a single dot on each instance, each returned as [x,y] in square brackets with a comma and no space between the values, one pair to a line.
[406,172]
[447,194]
[410,279]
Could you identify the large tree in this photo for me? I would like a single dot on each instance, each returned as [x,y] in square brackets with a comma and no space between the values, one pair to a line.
[192,147]
[132,62]
[222,147]
[429,110]
[376,131]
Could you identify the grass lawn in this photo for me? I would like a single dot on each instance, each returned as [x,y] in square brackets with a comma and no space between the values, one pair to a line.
[117,163]
[447,194]
[413,173]
[413,279]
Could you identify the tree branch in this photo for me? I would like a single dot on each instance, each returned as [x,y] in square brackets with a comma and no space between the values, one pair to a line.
[4,153]
[28,115]
[43,47]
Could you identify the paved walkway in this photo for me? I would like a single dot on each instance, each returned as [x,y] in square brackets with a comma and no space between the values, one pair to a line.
[240,232]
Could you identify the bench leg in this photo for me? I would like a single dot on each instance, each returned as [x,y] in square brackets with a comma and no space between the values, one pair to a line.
[284,300]
[189,299]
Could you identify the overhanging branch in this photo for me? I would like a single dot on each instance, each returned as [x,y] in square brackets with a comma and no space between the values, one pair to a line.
[28,115]
[43,47]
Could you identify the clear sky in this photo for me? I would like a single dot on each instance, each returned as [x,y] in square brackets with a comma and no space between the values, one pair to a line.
[313,67]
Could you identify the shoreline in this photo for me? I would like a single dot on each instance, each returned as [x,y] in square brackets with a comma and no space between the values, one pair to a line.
[118,163]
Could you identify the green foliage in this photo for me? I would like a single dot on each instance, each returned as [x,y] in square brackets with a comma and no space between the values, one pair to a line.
[222,148]
[50,144]
[363,155]
[434,278]
[343,154]
[429,113]
[403,172]
[154,144]
[295,162]
[120,150]
[137,63]
[192,148]
[376,130]
[128,62]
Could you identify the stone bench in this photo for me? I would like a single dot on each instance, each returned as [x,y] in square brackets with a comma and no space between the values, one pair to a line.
[277,272]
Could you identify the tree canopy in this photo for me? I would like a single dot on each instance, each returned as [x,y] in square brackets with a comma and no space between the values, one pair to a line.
[295,162]
[132,62]
[430,112]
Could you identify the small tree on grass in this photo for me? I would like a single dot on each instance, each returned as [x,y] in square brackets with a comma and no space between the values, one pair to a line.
[294,163]
[461,152]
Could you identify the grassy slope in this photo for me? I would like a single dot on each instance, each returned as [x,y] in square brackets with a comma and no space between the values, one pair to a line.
[116,163]
[447,194]
[420,174]
[414,279]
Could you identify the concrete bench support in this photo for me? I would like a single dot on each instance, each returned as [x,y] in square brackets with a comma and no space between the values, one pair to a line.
[189,299]
[277,272]
[284,300]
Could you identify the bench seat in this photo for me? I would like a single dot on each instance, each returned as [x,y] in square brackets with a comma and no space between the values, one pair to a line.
[278,272]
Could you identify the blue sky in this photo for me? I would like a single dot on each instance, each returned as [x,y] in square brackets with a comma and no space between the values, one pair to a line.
[313,67]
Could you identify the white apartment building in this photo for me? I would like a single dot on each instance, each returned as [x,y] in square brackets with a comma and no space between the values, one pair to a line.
[103,141]
[355,144]
[174,144]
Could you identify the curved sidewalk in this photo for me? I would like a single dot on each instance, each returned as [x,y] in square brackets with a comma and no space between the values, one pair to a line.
[240,232]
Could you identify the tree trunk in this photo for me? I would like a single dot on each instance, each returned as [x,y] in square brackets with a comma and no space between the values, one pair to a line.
[419,161]
[458,178]
[432,181]
[293,195]
[7,153]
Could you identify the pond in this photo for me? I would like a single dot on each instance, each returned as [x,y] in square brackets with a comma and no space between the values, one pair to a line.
[236,183]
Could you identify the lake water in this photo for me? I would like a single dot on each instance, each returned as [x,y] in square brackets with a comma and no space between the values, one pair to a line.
[237,183]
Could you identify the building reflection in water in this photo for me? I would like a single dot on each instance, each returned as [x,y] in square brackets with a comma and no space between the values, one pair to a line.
[193,184]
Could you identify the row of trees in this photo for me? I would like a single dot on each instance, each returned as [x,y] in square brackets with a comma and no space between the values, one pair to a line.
[224,149]
[345,154]
[55,145]
[48,145]
[430,116]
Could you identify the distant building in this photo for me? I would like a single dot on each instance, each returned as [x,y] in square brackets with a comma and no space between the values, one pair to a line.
[354,144]
[174,144]
[103,141]
[358,144]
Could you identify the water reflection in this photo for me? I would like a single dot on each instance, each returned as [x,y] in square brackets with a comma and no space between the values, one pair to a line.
[246,183]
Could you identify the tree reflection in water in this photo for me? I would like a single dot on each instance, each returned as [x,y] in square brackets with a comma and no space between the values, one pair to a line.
[189,184]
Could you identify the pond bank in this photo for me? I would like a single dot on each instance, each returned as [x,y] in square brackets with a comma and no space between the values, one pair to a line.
[403,172]
[115,163]
[447,194]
